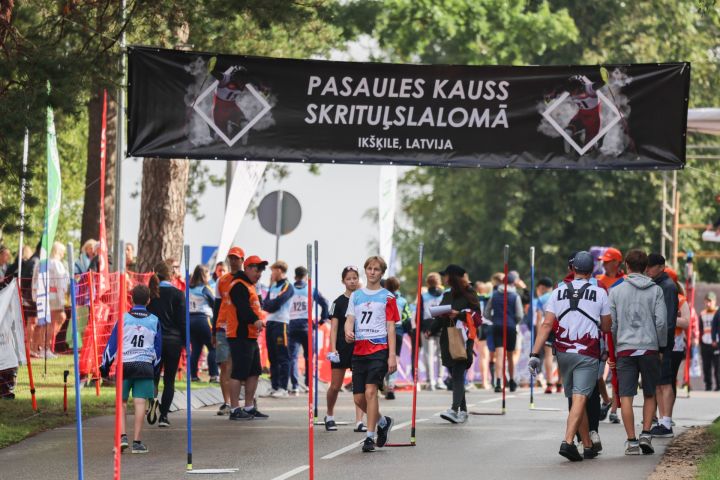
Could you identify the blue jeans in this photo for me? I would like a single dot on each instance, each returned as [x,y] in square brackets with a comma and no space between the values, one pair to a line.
[201,336]
[277,346]
[298,339]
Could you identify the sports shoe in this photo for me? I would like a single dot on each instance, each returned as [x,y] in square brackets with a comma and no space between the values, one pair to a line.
[139,447]
[646,443]
[632,447]
[512,385]
[498,387]
[382,432]
[469,387]
[257,414]
[152,413]
[558,388]
[279,393]
[214,379]
[294,391]
[548,389]
[224,409]
[614,418]
[163,422]
[450,415]
[590,453]
[570,451]
[390,395]
[360,428]
[269,393]
[440,385]
[661,431]
[195,379]
[596,443]
[240,414]
[330,425]
[432,387]
[463,416]
[123,442]
[368,445]
[604,409]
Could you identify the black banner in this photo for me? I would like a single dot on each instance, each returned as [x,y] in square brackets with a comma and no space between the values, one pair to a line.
[230,107]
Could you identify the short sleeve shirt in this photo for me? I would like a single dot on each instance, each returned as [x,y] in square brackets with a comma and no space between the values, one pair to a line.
[371,310]
[575,331]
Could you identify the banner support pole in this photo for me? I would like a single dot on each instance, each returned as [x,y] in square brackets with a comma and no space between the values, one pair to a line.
[188,377]
[316,327]
[119,370]
[76,367]
[506,254]
[532,320]
[309,369]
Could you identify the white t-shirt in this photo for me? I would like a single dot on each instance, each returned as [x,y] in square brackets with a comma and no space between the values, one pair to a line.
[575,332]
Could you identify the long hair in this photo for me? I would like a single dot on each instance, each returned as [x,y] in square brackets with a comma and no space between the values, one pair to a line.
[161,272]
[199,276]
[459,287]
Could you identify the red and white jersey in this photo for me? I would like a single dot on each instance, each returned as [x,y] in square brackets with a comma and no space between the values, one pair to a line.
[372,309]
[706,318]
[227,90]
[588,100]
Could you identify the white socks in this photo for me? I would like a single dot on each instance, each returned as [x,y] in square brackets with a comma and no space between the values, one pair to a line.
[329,418]
[666,422]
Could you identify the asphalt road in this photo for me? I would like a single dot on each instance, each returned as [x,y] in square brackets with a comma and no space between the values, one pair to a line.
[520,444]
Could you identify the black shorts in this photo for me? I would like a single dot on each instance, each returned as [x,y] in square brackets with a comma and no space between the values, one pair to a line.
[245,354]
[667,376]
[485,332]
[346,352]
[369,370]
[630,368]
[498,337]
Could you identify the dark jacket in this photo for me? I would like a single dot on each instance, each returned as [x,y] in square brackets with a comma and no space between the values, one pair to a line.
[240,297]
[715,328]
[441,324]
[670,294]
[169,307]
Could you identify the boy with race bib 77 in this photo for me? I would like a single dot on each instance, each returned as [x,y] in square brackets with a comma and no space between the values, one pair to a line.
[370,325]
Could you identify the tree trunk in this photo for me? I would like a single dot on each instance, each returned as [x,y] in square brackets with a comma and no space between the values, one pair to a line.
[162,211]
[91,208]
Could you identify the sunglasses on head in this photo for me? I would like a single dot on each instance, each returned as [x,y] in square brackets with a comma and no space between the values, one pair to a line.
[352,268]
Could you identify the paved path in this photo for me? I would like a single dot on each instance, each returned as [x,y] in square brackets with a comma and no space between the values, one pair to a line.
[520,444]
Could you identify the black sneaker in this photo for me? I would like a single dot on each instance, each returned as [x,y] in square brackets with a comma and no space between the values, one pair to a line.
[382,432]
[512,385]
[604,409]
[368,445]
[224,410]
[661,431]
[360,428]
[163,422]
[123,442]
[570,451]
[498,387]
[390,396]
[257,414]
[330,425]
[589,453]
[240,414]
[646,443]
[139,447]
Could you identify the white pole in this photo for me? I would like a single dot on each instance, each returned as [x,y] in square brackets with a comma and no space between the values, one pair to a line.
[26,148]
[120,146]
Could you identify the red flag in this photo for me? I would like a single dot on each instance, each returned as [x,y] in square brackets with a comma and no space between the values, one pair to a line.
[103,269]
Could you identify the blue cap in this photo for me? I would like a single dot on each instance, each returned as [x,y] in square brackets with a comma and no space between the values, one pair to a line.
[583,262]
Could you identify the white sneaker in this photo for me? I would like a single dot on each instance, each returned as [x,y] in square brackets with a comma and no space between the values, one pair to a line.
[470,387]
[270,393]
[281,393]
[450,415]
[440,385]
[302,388]
[463,416]
[595,439]
[49,354]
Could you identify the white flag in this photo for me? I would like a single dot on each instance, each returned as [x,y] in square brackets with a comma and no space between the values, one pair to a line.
[245,182]
[386,211]
[12,338]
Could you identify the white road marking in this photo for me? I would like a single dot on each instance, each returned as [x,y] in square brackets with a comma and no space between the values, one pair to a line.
[354,445]
[292,472]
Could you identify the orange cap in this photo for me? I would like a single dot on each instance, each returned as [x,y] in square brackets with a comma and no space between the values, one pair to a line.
[255,260]
[236,252]
[611,254]
[671,273]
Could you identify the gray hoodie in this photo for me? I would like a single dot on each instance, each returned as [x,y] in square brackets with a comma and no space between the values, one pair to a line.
[639,315]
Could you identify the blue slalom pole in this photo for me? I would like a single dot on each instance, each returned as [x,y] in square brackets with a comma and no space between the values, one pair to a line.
[315,331]
[188,392]
[532,319]
[76,358]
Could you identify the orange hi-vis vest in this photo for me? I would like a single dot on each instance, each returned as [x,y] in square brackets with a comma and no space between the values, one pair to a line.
[227,309]
[255,305]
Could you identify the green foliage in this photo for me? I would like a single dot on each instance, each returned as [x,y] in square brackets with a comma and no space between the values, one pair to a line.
[710,466]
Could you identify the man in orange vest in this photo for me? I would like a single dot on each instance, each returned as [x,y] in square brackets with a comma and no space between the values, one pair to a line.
[242,332]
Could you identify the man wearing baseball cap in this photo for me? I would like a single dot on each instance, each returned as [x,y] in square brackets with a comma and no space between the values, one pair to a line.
[223,309]
[613,276]
[242,332]
[577,310]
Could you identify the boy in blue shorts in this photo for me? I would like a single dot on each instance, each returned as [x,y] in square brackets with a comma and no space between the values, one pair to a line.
[141,348]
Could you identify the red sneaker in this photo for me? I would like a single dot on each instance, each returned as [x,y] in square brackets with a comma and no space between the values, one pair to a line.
[558,388]
[548,389]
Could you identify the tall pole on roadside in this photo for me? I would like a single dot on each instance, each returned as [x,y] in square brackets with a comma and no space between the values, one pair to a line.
[120,143]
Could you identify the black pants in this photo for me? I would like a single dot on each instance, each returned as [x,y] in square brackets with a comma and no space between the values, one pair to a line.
[201,336]
[711,363]
[458,386]
[171,350]
[278,354]
[298,339]
[411,334]
[592,407]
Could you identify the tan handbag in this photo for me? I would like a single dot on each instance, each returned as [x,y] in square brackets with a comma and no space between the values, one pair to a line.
[456,344]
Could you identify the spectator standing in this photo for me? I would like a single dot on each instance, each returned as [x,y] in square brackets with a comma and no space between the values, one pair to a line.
[87,253]
[484,290]
[57,287]
[709,340]
[430,342]
[220,270]
[639,327]
[392,284]
[201,311]
[130,261]
[277,305]
[176,278]
[5,257]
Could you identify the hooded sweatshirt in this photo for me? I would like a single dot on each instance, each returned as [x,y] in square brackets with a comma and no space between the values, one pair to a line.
[639,315]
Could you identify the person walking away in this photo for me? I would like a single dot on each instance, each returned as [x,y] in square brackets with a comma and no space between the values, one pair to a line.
[639,328]
[142,351]
[483,290]
[277,305]
[201,311]
[577,310]
[494,311]
[392,284]
[709,342]
[464,314]
[665,392]
[683,321]
[298,328]
[543,291]
[370,325]
[222,310]
[167,303]
[430,343]
[341,354]
[242,332]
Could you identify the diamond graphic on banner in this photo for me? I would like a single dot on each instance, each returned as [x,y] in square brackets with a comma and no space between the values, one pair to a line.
[581,150]
[231,141]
